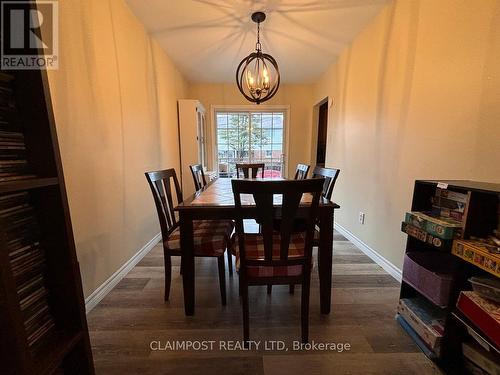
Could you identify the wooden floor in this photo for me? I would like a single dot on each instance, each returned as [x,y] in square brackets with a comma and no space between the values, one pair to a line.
[364,297]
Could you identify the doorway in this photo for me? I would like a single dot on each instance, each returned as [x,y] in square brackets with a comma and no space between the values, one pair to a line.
[322,133]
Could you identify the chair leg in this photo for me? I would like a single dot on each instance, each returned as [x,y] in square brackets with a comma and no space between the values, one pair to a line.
[269,288]
[304,311]
[181,267]
[168,275]
[222,279]
[230,262]
[292,288]
[246,322]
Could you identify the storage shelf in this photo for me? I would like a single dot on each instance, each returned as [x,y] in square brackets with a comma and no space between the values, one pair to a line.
[480,218]
[27,184]
[475,332]
[49,357]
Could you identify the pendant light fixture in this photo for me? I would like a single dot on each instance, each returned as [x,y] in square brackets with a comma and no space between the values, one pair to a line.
[258,76]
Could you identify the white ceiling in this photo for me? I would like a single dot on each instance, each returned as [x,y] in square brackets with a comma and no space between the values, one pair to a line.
[207,39]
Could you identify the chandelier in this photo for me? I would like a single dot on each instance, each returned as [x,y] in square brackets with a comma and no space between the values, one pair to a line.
[258,76]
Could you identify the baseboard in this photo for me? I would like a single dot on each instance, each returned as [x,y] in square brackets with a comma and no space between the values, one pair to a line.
[390,268]
[101,292]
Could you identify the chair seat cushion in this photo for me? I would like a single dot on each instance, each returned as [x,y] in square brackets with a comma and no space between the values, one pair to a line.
[254,249]
[210,237]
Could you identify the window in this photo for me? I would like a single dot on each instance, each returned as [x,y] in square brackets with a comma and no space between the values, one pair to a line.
[250,137]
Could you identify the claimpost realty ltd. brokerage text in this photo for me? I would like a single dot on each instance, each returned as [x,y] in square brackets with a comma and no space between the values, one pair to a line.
[234,345]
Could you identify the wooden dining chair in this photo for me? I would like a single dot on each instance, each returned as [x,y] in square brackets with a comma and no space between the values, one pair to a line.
[330,175]
[210,237]
[275,257]
[198,176]
[301,172]
[199,183]
[250,170]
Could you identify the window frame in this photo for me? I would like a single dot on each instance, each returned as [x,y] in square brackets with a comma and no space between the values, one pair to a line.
[215,109]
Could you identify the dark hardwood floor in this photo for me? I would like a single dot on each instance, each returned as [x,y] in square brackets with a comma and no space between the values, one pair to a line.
[133,315]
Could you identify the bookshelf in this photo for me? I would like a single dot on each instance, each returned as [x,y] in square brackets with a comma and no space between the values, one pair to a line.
[473,212]
[42,313]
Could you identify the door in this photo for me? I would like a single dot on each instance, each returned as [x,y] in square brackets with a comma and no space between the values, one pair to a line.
[250,137]
[322,132]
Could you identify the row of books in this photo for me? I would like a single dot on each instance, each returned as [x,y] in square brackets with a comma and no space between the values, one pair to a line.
[27,262]
[13,163]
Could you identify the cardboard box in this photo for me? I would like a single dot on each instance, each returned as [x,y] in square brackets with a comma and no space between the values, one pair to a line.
[425,320]
[444,228]
[476,253]
[423,236]
[481,358]
[484,314]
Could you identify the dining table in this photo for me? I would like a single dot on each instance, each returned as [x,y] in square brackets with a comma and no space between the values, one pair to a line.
[216,201]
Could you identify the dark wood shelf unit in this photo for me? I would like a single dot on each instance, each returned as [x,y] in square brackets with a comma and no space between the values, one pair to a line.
[480,219]
[65,349]
[27,184]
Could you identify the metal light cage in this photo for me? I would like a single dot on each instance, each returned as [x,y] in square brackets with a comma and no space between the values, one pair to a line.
[258,61]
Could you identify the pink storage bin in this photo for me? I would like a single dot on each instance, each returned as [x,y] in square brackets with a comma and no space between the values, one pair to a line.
[431,273]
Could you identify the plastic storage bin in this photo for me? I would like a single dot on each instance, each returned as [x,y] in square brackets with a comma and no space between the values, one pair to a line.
[431,273]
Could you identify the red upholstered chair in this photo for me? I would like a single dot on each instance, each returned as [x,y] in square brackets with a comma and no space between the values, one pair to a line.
[274,257]
[210,237]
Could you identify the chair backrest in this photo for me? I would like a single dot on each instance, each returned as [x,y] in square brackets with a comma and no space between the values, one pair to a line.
[266,213]
[246,168]
[301,172]
[198,176]
[160,183]
[330,175]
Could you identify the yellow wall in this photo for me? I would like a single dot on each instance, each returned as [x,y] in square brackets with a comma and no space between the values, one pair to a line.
[115,102]
[298,97]
[417,96]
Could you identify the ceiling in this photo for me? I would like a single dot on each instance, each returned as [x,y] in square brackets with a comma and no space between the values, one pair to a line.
[207,39]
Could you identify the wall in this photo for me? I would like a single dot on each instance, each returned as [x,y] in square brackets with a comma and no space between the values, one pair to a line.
[417,96]
[115,102]
[298,97]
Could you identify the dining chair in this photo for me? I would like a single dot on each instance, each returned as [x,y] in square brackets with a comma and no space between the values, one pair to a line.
[198,176]
[199,183]
[250,170]
[273,257]
[330,175]
[301,172]
[210,237]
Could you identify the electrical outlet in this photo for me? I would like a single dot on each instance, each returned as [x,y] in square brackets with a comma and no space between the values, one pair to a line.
[361,218]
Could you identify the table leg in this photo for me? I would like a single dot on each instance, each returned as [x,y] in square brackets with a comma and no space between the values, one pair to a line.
[325,251]
[187,246]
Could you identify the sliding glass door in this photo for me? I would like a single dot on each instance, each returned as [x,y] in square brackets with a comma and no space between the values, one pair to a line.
[250,137]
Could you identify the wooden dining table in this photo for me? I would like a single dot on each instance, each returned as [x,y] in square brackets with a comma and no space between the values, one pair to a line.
[216,201]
